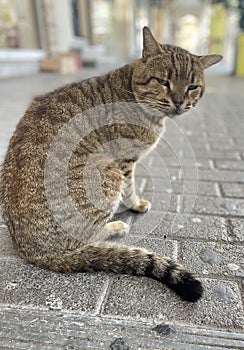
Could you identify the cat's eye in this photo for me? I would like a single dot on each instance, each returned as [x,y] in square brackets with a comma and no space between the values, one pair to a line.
[192,87]
[163,82]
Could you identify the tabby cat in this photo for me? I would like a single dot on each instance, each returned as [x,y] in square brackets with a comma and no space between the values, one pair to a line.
[166,81]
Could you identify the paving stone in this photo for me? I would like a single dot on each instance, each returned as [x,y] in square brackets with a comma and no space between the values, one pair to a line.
[7,248]
[162,247]
[213,258]
[169,225]
[225,146]
[221,175]
[47,330]
[178,137]
[144,225]
[239,140]
[201,154]
[149,171]
[212,205]
[173,161]
[203,188]
[181,149]
[160,184]
[229,164]
[224,293]
[232,190]
[201,164]
[159,224]
[143,169]
[141,298]
[238,229]
[27,285]
[188,226]
[161,201]
[124,214]
[209,256]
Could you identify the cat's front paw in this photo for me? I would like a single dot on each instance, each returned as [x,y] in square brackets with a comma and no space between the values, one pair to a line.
[141,206]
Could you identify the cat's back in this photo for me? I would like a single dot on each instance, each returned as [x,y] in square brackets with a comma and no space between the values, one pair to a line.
[24,164]
[45,117]
[22,192]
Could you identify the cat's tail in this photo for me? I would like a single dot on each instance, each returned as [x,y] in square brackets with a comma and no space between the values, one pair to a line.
[127,260]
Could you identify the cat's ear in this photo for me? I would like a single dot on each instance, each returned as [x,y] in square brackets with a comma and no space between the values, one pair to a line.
[209,60]
[150,45]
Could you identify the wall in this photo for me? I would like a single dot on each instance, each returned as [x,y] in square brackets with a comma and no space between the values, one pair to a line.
[63,20]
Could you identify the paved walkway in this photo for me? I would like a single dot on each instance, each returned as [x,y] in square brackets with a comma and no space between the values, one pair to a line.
[195,180]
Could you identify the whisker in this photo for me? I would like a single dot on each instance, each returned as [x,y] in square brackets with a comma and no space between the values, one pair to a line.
[140,95]
[163,103]
[148,102]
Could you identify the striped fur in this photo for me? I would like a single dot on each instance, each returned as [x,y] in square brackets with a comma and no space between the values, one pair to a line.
[167,79]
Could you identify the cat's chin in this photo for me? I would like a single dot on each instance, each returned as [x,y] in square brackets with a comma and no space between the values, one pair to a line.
[175,112]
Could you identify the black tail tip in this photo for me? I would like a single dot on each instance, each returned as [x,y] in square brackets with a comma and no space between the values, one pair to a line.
[188,288]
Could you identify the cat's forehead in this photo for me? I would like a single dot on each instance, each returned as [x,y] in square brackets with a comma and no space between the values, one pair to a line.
[174,49]
[177,57]
[178,53]
[176,62]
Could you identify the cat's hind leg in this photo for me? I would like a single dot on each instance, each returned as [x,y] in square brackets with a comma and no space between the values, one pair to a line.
[111,186]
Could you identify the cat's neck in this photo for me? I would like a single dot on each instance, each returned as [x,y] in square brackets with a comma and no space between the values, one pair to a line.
[116,87]
[121,80]
[120,83]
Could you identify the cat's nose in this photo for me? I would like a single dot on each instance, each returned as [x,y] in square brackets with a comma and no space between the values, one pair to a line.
[177,99]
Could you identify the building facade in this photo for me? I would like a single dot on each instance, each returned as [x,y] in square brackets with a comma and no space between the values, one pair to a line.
[113,27]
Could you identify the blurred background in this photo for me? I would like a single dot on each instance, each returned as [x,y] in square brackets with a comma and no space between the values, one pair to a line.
[66,35]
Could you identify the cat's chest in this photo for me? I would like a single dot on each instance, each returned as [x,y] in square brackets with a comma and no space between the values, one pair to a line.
[136,143]
[144,151]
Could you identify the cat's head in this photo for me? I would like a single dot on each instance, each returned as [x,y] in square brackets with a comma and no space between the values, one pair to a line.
[168,77]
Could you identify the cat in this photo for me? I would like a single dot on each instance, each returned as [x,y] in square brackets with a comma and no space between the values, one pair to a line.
[65,226]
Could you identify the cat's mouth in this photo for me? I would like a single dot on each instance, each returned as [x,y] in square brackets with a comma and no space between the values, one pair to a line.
[175,111]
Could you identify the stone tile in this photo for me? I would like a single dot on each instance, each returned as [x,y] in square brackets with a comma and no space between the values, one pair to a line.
[162,247]
[144,225]
[142,298]
[149,171]
[159,184]
[123,214]
[224,146]
[47,330]
[179,152]
[229,164]
[201,154]
[191,226]
[213,258]
[159,208]
[212,205]
[161,201]
[237,229]
[7,248]
[143,168]
[204,188]
[239,140]
[232,190]
[221,175]
[186,163]
[27,285]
